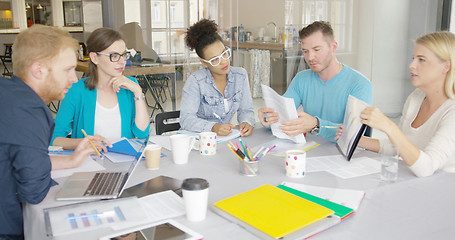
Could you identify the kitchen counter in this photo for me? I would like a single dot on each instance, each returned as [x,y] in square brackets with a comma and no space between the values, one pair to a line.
[257,45]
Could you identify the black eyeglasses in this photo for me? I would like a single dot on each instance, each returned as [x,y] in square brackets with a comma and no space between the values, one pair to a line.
[115,57]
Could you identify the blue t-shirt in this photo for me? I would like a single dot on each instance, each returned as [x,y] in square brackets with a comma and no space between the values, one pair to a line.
[327,100]
[26,126]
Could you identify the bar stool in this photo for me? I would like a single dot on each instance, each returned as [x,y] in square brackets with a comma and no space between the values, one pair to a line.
[8,52]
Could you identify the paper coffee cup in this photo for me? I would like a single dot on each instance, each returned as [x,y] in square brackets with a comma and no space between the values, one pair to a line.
[195,195]
[152,156]
[295,163]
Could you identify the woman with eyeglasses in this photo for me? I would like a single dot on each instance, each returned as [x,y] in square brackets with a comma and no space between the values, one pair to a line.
[213,95]
[106,104]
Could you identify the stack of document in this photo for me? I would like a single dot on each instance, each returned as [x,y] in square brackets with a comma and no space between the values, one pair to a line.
[286,212]
[273,213]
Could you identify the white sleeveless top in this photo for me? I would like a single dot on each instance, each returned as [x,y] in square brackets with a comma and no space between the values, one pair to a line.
[108,122]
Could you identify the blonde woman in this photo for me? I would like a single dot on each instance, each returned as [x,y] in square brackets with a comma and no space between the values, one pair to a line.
[425,137]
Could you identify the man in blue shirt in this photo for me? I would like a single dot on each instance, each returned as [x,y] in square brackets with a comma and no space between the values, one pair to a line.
[322,91]
[44,60]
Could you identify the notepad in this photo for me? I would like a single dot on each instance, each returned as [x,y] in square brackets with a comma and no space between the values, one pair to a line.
[273,211]
[353,127]
[123,147]
[124,150]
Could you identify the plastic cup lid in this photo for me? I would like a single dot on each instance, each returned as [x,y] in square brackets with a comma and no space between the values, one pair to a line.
[195,184]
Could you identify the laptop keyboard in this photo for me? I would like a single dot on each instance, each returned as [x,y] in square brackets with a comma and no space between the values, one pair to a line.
[103,184]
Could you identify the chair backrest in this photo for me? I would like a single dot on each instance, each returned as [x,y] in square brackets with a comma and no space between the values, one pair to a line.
[167,121]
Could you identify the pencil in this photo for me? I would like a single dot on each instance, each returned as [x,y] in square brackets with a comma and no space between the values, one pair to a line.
[93,145]
[219,118]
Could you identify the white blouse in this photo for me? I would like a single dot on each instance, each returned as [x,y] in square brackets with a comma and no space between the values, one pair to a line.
[108,122]
[435,138]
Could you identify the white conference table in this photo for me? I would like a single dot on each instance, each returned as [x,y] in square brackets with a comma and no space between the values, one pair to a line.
[411,208]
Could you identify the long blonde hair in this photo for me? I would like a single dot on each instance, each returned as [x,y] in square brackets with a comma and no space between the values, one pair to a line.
[443,45]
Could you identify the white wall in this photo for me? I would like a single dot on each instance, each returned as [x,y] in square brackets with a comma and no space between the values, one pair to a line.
[386,31]
[388,53]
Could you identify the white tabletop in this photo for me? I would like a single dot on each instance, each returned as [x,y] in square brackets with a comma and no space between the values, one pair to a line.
[411,208]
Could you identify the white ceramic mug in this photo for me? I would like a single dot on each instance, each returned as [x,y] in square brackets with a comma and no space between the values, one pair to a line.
[295,163]
[181,146]
[207,143]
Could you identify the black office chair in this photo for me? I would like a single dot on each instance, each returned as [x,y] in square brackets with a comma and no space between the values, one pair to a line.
[167,122]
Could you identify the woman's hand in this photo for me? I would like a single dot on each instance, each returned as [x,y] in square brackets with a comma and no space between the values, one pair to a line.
[222,129]
[374,118]
[245,129]
[100,142]
[126,83]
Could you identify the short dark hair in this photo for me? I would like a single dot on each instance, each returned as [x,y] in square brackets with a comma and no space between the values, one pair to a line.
[322,26]
[202,34]
[99,40]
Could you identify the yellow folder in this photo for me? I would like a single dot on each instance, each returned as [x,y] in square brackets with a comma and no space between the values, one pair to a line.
[273,210]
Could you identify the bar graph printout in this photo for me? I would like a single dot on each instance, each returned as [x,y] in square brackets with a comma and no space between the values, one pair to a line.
[92,215]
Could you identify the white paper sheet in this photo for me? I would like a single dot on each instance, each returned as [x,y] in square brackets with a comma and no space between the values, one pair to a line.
[163,205]
[346,197]
[88,166]
[285,107]
[118,213]
[338,166]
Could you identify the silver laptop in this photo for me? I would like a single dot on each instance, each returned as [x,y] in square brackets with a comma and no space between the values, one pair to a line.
[98,185]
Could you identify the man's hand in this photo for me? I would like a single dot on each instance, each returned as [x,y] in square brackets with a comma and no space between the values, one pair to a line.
[268,116]
[222,129]
[245,129]
[302,124]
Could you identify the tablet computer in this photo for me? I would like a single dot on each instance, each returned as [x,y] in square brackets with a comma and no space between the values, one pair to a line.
[163,230]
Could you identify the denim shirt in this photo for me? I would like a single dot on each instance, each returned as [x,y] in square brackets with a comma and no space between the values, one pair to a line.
[201,98]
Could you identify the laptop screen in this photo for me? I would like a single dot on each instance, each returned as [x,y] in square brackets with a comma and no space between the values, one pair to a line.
[135,162]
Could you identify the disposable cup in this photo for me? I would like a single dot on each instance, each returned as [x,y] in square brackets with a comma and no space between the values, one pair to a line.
[152,156]
[195,195]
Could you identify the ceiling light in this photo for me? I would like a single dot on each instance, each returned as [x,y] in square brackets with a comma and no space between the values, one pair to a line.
[27,5]
[39,6]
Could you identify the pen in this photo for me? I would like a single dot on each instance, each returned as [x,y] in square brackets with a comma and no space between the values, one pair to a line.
[271,149]
[242,158]
[93,145]
[263,154]
[243,146]
[257,153]
[216,115]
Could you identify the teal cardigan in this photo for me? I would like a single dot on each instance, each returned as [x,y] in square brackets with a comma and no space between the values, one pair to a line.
[79,105]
